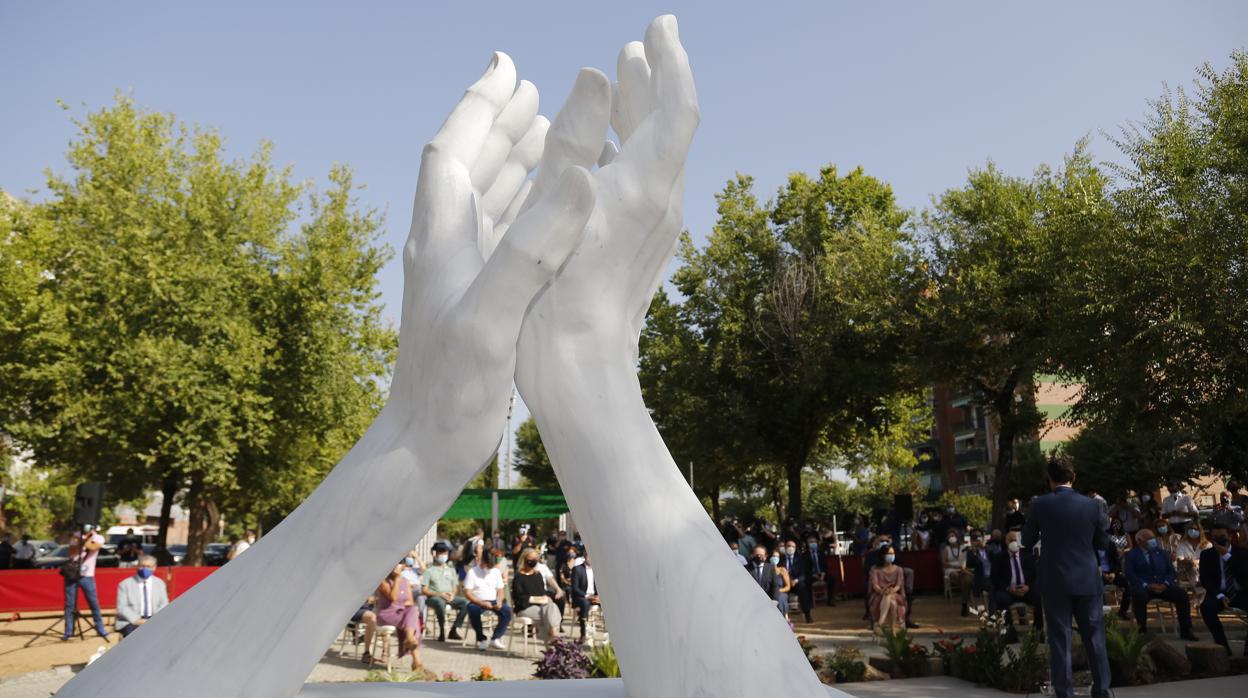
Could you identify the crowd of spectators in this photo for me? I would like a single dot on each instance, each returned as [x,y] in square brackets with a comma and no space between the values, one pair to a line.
[1163,551]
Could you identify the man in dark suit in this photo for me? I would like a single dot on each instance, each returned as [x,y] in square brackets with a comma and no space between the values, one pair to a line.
[1224,576]
[584,591]
[1151,575]
[809,567]
[979,562]
[1014,580]
[764,572]
[1070,529]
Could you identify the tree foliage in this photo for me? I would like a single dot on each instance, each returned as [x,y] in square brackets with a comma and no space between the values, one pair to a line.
[796,313]
[531,460]
[173,333]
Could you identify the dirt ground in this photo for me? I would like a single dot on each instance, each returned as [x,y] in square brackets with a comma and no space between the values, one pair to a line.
[24,647]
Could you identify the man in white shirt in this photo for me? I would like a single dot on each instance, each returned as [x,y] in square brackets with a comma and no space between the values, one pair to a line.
[1178,508]
[24,556]
[241,545]
[483,587]
[139,597]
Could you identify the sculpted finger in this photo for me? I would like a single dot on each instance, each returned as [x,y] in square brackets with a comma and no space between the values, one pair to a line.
[631,95]
[524,157]
[575,138]
[528,256]
[671,88]
[508,217]
[464,132]
[510,126]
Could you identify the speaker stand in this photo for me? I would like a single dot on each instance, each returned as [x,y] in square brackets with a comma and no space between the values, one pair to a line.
[79,622]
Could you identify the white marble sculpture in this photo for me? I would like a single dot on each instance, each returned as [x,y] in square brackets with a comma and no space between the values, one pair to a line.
[485,243]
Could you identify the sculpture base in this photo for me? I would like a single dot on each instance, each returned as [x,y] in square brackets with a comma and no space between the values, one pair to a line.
[591,688]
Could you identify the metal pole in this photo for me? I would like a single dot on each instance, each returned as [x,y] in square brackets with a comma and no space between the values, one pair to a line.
[494,514]
[506,474]
[690,474]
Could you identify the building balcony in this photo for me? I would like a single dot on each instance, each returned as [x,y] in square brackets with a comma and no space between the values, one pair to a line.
[973,456]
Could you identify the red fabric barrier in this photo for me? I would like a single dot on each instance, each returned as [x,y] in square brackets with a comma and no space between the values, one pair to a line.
[28,591]
[847,571]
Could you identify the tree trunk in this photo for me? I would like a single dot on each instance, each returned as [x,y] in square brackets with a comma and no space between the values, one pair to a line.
[203,518]
[168,489]
[1005,461]
[715,504]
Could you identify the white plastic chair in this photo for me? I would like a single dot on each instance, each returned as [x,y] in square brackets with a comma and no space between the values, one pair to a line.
[523,626]
[383,635]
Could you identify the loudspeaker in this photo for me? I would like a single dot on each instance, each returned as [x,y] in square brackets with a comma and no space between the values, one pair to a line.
[903,506]
[88,503]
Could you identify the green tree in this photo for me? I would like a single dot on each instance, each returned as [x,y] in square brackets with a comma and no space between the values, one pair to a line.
[998,261]
[1161,303]
[179,335]
[531,460]
[806,308]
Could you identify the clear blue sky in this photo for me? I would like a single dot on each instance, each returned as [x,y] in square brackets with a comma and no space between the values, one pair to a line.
[916,93]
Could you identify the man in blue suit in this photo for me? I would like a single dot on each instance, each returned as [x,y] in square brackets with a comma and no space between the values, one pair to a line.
[1150,575]
[1070,529]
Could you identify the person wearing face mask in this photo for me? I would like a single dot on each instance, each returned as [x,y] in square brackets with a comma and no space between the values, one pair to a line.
[1014,580]
[1226,513]
[887,597]
[736,553]
[785,583]
[996,543]
[1127,513]
[440,587]
[533,594]
[412,572]
[1167,538]
[1177,508]
[1224,575]
[1070,529]
[1150,575]
[922,533]
[140,596]
[809,568]
[953,563]
[763,572]
[584,590]
[875,557]
[1187,553]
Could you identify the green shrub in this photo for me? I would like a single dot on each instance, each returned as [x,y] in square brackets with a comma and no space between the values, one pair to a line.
[1027,668]
[603,662]
[845,663]
[906,656]
[1125,650]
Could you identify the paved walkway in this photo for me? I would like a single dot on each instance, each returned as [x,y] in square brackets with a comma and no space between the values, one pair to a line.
[949,687]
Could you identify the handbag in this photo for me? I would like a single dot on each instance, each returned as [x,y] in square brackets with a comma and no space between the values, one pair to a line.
[71,570]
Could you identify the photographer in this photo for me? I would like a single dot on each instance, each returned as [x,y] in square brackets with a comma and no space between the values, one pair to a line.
[79,573]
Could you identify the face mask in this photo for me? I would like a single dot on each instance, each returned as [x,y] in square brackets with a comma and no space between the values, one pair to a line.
[1193,532]
[441,559]
[1152,543]
[530,563]
[409,561]
[144,572]
[790,551]
[949,510]
[922,519]
[1222,541]
[889,558]
[1163,530]
[953,541]
[1015,546]
[775,559]
[758,559]
[813,545]
[1145,498]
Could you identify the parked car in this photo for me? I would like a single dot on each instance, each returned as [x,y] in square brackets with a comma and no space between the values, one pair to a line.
[60,555]
[43,547]
[215,554]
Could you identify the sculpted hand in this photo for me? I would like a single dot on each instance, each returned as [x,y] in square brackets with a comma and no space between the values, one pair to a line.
[576,369]
[258,625]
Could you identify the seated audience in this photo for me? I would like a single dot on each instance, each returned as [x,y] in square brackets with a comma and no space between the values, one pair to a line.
[584,591]
[366,616]
[532,593]
[1224,575]
[1187,553]
[440,587]
[1014,580]
[483,587]
[979,564]
[140,596]
[397,606]
[785,583]
[871,559]
[1150,575]
[887,598]
[953,565]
